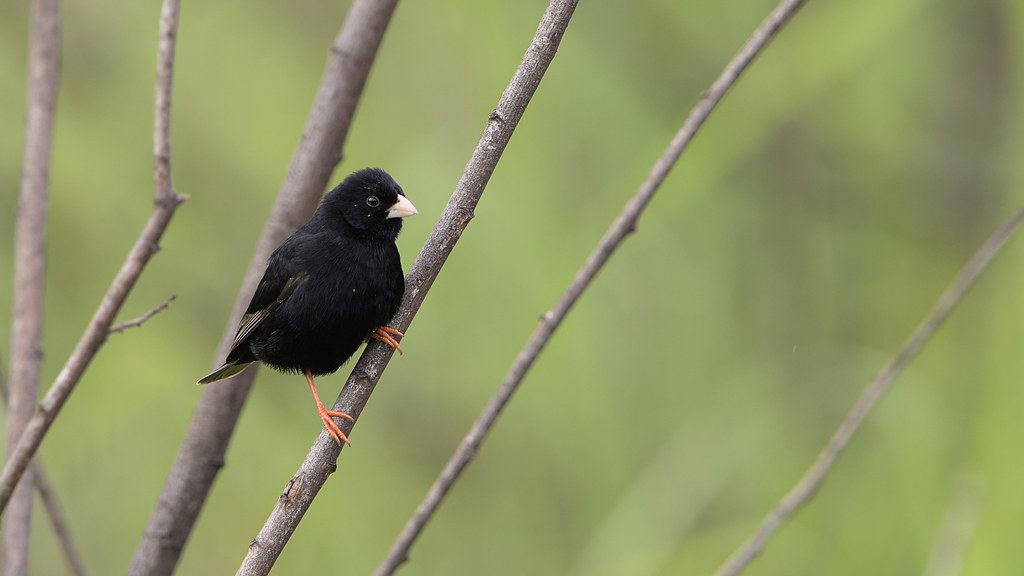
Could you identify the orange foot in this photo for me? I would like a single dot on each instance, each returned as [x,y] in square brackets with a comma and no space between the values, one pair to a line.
[384,335]
[325,414]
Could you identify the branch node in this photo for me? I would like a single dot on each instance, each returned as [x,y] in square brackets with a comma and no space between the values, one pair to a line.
[170,199]
[216,463]
[361,376]
[291,492]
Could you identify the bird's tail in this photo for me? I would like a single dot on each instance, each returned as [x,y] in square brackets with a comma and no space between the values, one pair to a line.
[228,370]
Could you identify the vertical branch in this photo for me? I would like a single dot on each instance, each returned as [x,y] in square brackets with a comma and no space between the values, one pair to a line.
[321,460]
[30,264]
[623,225]
[163,188]
[148,243]
[201,454]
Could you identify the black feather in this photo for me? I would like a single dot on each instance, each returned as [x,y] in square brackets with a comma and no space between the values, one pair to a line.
[329,285]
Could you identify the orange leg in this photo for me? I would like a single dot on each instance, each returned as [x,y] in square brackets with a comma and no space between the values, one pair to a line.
[384,335]
[325,414]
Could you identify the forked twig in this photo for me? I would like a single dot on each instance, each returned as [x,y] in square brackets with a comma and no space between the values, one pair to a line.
[165,201]
[623,225]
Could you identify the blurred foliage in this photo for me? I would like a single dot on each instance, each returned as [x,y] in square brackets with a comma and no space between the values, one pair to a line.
[816,218]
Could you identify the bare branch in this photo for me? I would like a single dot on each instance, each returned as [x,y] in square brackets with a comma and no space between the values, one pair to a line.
[806,487]
[142,319]
[163,188]
[30,265]
[623,225]
[321,460]
[60,527]
[165,203]
[201,454]
[53,509]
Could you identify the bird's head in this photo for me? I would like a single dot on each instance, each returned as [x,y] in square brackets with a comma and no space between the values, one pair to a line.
[370,201]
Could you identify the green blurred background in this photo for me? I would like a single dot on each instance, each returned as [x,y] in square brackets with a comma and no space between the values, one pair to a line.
[816,218]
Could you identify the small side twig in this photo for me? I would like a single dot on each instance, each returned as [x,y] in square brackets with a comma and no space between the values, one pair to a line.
[30,265]
[49,499]
[808,485]
[164,204]
[623,225]
[321,460]
[135,323]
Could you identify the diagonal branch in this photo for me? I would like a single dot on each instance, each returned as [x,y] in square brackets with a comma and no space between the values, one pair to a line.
[808,485]
[47,496]
[321,460]
[623,225]
[202,451]
[49,499]
[165,201]
[30,265]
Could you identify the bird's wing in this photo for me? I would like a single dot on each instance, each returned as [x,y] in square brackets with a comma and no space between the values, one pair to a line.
[271,292]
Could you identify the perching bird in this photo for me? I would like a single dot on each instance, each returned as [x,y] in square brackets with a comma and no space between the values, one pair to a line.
[329,287]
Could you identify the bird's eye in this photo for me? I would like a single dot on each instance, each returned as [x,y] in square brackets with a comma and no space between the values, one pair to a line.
[372,201]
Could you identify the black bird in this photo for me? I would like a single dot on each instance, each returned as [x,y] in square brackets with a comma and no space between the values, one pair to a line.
[329,287]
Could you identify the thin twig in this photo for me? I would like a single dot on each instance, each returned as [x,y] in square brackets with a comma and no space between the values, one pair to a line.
[30,265]
[202,451]
[815,475]
[135,323]
[164,204]
[623,225]
[958,527]
[49,498]
[60,528]
[321,460]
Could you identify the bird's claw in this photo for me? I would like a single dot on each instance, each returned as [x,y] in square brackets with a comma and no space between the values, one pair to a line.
[384,334]
[332,426]
[326,415]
